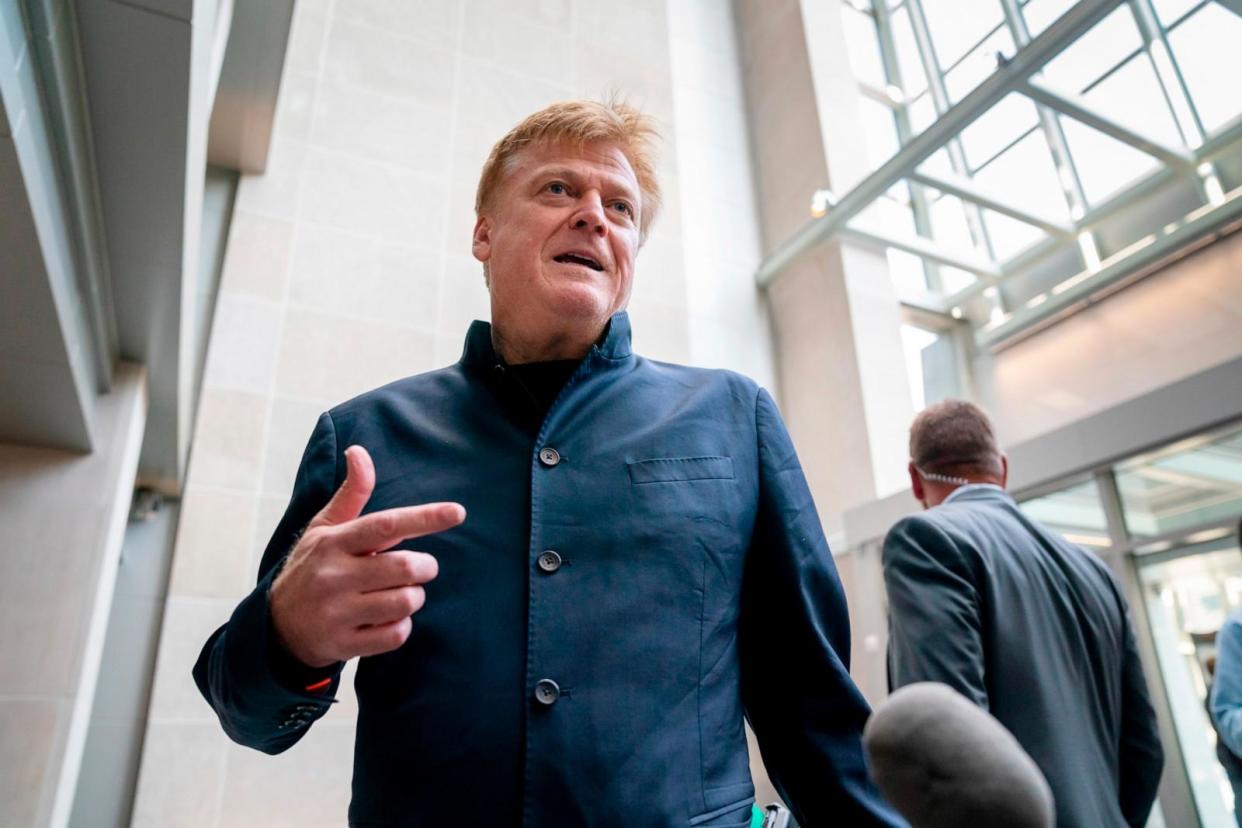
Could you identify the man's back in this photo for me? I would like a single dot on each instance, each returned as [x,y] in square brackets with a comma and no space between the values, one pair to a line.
[1034,630]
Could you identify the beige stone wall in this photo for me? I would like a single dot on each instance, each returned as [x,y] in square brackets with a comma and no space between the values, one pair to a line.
[348,266]
[62,517]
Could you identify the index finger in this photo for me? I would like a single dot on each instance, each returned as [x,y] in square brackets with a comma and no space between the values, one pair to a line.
[382,530]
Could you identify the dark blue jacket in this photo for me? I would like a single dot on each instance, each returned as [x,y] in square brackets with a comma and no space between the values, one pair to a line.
[1036,631]
[694,585]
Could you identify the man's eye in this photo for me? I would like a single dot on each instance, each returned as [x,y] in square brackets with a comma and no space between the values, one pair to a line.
[557,188]
[624,208]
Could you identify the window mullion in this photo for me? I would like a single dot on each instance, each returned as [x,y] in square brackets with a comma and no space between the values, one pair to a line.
[940,98]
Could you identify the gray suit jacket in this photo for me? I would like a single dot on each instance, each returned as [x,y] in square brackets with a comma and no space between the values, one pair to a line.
[1035,630]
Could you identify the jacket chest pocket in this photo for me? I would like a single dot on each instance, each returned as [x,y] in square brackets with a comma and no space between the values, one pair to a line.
[679,469]
[686,505]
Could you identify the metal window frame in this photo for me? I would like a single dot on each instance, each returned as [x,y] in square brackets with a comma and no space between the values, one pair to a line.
[1125,556]
[1018,75]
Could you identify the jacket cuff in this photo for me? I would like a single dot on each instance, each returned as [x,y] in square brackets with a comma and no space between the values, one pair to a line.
[295,693]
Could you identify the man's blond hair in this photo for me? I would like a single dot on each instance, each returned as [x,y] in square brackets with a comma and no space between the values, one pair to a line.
[579,123]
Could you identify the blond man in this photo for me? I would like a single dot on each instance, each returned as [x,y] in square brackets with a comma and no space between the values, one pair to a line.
[594,565]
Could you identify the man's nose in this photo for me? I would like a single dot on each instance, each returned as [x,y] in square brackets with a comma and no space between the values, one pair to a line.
[590,216]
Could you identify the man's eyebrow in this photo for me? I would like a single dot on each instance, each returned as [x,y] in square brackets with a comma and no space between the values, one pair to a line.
[553,171]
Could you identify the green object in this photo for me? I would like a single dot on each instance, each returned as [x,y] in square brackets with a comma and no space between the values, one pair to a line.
[756,817]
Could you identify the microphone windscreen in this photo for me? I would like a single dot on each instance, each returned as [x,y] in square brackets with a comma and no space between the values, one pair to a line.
[945,763]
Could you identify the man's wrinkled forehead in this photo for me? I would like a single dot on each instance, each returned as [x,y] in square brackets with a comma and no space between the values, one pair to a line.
[565,159]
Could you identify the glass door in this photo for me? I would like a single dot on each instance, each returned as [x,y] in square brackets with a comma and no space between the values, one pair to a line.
[1188,593]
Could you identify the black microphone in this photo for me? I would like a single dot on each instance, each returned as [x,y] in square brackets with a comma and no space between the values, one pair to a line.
[945,763]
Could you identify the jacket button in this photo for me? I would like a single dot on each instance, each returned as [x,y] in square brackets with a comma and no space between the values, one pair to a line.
[549,560]
[549,456]
[547,692]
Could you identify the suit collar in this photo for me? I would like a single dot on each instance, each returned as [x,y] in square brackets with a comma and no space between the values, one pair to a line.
[978,491]
[613,344]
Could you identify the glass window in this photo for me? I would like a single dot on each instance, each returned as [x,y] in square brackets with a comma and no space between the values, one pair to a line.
[1076,512]
[1107,44]
[1104,164]
[938,164]
[1183,486]
[931,365]
[1208,49]
[1039,14]
[952,280]
[997,128]
[1026,171]
[1170,11]
[1009,236]
[1132,96]
[863,45]
[907,272]
[922,113]
[890,212]
[1188,594]
[948,218]
[957,25]
[913,78]
[913,341]
[880,129]
[978,64]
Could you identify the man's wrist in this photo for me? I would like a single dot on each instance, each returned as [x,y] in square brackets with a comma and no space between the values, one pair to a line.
[289,670]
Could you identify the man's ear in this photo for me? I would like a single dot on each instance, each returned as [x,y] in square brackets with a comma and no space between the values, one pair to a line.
[916,483]
[481,239]
[1004,471]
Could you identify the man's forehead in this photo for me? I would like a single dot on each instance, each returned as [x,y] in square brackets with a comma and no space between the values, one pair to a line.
[603,156]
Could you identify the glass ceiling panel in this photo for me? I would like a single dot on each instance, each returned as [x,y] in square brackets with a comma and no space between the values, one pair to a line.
[1096,52]
[1026,210]
[879,129]
[1009,236]
[1132,96]
[913,78]
[1027,168]
[956,25]
[978,64]
[948,217]
[998,128]
[953,280]
[1170,11]
[908,274]
[1208,48]
[1039,14]
[1104,164]
[863,46]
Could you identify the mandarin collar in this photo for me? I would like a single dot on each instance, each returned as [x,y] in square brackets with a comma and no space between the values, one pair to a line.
[613,343]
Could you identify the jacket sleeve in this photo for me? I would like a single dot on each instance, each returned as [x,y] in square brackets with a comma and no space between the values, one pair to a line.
[1141,756]
[256,688]
[1226,700]
[794,647]
[933,611]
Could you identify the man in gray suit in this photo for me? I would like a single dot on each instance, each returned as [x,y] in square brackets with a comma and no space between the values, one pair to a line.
[1028,626]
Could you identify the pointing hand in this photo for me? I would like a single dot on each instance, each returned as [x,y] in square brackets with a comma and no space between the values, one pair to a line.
[336,598]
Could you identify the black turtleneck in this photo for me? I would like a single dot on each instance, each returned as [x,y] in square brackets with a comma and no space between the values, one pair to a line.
[543,380]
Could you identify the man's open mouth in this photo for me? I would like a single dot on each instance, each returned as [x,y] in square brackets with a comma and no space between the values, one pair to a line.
[576,258]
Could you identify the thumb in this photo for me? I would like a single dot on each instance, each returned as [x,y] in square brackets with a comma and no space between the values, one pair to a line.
[354,493]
